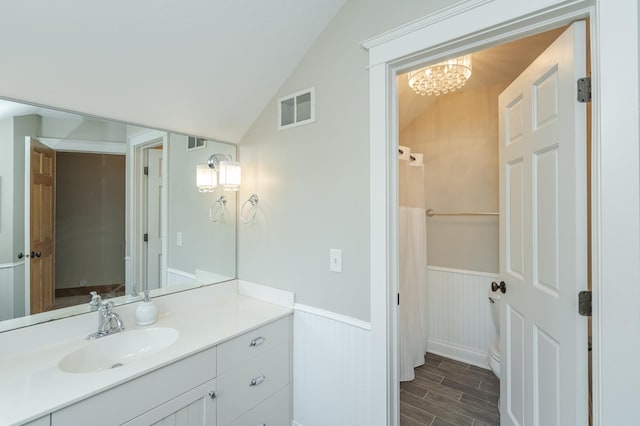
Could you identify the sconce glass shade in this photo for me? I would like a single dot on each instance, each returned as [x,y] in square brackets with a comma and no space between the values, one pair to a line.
[230,175]
[206,179]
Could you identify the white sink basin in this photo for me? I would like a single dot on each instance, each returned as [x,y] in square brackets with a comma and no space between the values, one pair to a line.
[119,349]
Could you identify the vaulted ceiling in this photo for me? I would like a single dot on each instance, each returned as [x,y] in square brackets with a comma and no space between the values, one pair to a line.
[206,66]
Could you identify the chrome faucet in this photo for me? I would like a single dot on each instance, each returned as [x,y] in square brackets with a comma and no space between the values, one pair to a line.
[109,322]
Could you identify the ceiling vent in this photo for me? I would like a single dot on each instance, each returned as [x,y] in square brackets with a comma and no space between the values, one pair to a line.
[297,109]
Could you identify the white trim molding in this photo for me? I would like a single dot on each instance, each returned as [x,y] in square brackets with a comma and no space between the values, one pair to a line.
[463,271]
[333,316]
[11,265]
[430,19]
[93,147]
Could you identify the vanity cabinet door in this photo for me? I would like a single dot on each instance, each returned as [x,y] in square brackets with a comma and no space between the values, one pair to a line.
[274,411]
[196,407]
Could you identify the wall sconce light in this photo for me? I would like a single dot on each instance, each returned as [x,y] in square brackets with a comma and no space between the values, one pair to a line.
[230,175]
[207,175]
[206,179]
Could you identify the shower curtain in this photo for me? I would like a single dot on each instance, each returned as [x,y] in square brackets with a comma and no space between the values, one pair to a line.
[412,247]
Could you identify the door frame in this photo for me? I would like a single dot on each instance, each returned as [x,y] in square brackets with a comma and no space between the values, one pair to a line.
[472,25]
[135,249]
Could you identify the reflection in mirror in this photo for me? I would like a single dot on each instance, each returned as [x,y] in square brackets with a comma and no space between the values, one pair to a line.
[88,204]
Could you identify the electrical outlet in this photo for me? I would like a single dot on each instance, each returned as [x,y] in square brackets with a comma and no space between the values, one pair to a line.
[335,260]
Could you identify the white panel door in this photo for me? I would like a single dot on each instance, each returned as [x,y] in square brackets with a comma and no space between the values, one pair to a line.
[154,219]
[543,235]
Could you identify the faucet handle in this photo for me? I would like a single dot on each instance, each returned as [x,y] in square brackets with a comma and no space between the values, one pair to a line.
[106,306]
[96,300]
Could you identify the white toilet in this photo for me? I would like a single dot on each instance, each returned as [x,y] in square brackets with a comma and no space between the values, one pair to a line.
[494,349]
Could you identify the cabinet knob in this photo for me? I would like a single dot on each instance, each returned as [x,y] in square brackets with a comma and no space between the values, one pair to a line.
[258,380]
[212,394]
[257,341]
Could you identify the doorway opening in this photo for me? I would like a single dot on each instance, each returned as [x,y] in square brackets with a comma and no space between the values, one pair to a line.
[90,226]
[149,201]
[449,146]
[74,225]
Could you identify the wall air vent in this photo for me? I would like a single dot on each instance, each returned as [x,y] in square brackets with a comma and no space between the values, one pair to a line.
[195,143]
[297,109]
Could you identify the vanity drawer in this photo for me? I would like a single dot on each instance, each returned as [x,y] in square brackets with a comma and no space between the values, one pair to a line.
[274,411]
[235,353]
[243,388]
[125,402]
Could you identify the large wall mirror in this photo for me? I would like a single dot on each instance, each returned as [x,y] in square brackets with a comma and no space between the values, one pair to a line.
[89,204]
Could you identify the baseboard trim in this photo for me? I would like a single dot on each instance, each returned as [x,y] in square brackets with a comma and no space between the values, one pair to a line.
[459,353]
[333,316]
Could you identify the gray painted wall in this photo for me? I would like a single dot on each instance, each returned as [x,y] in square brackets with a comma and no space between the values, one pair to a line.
[313,180]
[206,245]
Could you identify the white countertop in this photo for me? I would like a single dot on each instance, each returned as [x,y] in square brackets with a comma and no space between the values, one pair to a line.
[32,385]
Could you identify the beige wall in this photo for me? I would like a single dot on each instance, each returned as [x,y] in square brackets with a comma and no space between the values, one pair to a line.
[458,135]
[90,219]
[313,180]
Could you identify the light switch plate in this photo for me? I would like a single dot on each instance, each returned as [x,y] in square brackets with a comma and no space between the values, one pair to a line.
[335,260]
[179,239]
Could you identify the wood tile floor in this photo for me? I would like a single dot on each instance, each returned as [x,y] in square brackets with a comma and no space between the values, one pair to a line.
[448,392]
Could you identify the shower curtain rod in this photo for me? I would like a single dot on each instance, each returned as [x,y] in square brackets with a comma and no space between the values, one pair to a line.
[432,212]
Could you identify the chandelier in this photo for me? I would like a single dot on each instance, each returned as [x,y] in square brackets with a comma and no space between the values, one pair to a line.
[441,78]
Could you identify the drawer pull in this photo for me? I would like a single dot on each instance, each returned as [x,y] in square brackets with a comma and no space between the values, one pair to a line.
[212,394]
[258,380]
[257,341]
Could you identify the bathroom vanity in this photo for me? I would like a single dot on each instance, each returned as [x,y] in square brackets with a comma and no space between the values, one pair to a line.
[214,357]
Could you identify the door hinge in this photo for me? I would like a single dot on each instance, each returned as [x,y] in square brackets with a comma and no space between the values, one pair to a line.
[146,171]
[145,238]
[398,299]
[584,89]
[584,303]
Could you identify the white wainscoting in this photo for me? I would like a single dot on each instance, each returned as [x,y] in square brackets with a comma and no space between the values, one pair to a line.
[331,369]
[176,277]
[11,290]
[459,322]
